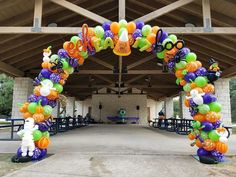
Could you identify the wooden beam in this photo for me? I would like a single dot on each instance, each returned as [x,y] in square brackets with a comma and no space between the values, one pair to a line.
[75,30]
[121,9]
[81,11]
[134,79]
[104,79]
[164,10]
[38,7]
[229,72]
[139,62]
[99,61]
[206,11]
[10,69]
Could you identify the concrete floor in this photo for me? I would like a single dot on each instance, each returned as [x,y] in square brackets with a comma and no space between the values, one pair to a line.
[117,150]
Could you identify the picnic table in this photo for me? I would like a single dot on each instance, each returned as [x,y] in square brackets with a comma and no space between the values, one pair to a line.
[123,119]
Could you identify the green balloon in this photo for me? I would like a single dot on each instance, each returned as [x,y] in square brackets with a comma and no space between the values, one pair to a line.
[213,135]
[200,81]
[74,39]
[180,65]
[184,72]
[54,58]
[47,110]
[173,38]
[203,135]
[58,87]
[178,81]
[123,23]
[196,124]
[146,30]
[161,55]
[142,42]
[46,134]
[187,87]
[165,41]
[191,57]
[84,54]
[65,64]
[70,70]
[215,106]
[121,31]
[37,134]
[32,107]
[204,108]
[99,32]
[47,82]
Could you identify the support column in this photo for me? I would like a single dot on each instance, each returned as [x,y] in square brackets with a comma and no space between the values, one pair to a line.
[184,111]
[56,110]
[222,93]
[169,109]
[70,106]
[159,107]
[23,87]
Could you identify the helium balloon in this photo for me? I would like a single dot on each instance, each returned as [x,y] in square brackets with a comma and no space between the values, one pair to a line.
[209,145]
[207,98]
[99,32]
[190,77]
[44,91]
[54,77]
[191,57]
[45,73]
[180,65]
[115,27]
[139,24]
[215,106]
[58,87]
[37,134]
[213,135]
[207,126]
[32,107]
[199,117]
[106,26]
[131,27]
[212,116]
[47,83]
[200,81]
[123,23]
[204,108]
[146,30]
[201,71]
[47,110]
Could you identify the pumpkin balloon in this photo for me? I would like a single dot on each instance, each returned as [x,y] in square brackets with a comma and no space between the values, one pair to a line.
[198,143]
[191,67]
[209,88]
[209,145]
[221,147]
[199,117]
[27,115]
[53,95]
[38,117]
[187,103]
[191,136]
[179,74]
[212,117]
[43,142]
[24,107]
[37,90]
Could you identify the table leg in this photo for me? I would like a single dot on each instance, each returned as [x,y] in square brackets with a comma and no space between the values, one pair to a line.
[12,129]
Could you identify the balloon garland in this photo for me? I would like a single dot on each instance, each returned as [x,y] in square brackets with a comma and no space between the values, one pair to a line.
[208,132]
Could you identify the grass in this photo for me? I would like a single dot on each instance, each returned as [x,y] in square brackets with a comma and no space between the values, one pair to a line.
[4,123]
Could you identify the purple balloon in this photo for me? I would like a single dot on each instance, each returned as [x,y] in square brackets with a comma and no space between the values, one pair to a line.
[108,33]
[137,33]
[19,152]
[201,71]
[54,77]
[139,24]
[216,124]
[62,54]
[36,154]
[106,26]
[46,73]
[219,156]
[163,37]
[183,52]
[91,51]
[73,62]
[207,98]
[44,100]
[189,77]
[202,152]
[52,103]
[171,65]
[192,104]
[207,126]
[32,98]
[43,153]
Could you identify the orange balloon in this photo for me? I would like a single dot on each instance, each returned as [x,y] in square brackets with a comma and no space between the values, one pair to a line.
[53,95]
[46,65]
[131,39]
[198,143]
[199,117]
[64,75]
[27,115]
[37,90]
[43,142]
[24,107]
[199,64]
[212,116]
[187,103]
[199,89]
[182,82]
[131,27]
[151,38]
[155,29]
[209,145]
[115,27]
[221,147]
[38,117]
[209,88]
[193,85]
[91,32]
[191,136]
[179,74]
[81,61]
[62,82]
[191,66]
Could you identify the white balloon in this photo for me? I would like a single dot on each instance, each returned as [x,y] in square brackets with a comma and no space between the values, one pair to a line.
[47,83]
[223,139]
[44,91]
[46,59]
[198,100]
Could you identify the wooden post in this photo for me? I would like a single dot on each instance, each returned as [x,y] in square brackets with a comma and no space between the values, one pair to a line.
[38,7]
[206,11]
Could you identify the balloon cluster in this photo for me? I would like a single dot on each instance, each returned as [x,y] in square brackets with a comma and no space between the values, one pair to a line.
[208,132]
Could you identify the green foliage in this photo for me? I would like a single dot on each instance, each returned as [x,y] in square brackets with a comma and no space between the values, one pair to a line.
[6,92]
[233,99]
[176,106]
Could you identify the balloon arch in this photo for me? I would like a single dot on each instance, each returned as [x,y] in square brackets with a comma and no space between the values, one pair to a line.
[207,133]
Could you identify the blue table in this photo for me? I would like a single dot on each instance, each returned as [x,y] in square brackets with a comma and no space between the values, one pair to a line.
[123,119]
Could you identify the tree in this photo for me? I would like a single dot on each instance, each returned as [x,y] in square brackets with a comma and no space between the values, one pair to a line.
[6,94]
[233,99]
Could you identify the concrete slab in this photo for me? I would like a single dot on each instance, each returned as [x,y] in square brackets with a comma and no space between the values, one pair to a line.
[117,150]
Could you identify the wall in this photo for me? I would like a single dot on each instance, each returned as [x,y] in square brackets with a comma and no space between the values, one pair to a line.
[155,107]
[82,107]
[111,104]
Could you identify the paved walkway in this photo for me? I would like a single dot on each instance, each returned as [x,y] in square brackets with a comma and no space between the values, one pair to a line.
[119,151]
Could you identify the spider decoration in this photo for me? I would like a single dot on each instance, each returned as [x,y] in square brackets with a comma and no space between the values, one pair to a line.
[57,65]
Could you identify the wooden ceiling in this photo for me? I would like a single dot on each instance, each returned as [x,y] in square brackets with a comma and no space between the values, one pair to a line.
[23,52]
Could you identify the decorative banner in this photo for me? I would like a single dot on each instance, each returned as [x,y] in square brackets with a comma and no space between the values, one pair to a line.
[208,132]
